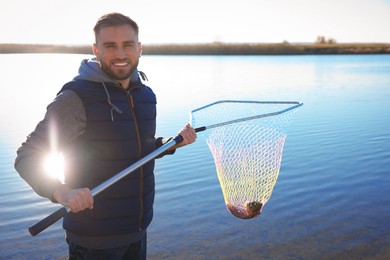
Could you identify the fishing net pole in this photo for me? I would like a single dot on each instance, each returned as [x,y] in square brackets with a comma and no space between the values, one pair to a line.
[246,140]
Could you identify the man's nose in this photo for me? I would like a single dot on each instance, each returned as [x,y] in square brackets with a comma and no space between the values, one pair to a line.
[121,53]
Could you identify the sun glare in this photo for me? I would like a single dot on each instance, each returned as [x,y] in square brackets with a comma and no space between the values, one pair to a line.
[54,166]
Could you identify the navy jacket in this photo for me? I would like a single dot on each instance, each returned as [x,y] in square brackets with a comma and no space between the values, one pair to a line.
[120,130]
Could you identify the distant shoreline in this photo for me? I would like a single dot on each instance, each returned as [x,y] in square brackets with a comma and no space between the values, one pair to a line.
[215,49]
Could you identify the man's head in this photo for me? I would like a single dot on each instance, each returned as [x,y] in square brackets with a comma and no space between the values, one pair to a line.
[117,47]
[112,20]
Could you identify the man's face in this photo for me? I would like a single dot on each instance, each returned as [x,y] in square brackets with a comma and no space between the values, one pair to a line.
[118,50]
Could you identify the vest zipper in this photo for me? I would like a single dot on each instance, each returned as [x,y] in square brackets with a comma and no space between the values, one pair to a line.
[141,214]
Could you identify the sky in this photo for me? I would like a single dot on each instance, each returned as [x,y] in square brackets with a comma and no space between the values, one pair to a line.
[200,21]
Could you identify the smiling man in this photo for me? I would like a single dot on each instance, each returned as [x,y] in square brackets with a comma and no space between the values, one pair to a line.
[118,50]
[104,121]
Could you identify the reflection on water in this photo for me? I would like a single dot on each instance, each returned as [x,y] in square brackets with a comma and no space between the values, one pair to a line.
[330,199]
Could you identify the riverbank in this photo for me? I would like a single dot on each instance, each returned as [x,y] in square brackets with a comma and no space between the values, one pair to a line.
[216,49]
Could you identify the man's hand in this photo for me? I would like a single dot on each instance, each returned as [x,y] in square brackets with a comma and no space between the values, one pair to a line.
[77,200]
[188,134]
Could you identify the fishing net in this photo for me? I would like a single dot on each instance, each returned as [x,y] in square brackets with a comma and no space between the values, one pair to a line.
[246,139]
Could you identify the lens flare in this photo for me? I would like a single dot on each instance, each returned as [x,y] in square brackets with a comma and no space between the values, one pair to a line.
[54,166]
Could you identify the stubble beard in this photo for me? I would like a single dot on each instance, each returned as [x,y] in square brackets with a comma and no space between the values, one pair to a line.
[119,74]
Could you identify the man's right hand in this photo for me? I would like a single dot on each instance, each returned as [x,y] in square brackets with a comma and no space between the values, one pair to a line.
[77,200]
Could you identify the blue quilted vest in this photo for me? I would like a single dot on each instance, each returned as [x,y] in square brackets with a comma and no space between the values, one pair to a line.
[120,130]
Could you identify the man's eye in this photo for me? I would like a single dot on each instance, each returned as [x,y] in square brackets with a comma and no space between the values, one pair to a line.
[110,46]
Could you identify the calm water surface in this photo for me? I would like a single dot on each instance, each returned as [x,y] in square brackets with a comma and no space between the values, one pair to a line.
[331,200]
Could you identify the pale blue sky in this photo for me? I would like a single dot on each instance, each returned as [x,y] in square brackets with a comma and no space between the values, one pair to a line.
[199,21]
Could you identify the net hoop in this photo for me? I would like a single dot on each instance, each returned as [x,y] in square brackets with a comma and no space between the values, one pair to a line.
[246,140]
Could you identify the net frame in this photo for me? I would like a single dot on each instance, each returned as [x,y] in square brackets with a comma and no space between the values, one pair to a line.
[246,141]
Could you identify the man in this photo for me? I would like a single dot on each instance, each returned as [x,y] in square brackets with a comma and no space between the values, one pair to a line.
[102,121]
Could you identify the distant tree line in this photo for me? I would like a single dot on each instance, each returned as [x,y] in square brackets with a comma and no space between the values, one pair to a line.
[325,40]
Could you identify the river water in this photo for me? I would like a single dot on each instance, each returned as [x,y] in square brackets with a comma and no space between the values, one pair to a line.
[331,200]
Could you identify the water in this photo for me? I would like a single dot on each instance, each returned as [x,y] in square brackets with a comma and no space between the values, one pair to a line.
[331,200]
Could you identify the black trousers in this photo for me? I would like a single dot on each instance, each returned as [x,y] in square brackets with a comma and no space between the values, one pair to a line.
[134,251]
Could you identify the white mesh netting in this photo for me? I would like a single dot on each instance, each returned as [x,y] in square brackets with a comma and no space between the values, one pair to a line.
[247,153]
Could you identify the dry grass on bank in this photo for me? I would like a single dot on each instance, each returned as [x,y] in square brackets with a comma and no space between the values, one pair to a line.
[215,49]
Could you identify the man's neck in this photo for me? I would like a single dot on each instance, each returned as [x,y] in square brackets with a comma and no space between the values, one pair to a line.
[125,83]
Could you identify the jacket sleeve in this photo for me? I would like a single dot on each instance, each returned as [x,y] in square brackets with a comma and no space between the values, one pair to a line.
[64,121]
[160,141]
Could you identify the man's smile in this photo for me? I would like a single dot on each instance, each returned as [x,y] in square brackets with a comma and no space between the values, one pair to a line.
[120,64]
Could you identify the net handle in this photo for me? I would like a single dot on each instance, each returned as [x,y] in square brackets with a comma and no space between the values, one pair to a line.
[295,104]
[62,212]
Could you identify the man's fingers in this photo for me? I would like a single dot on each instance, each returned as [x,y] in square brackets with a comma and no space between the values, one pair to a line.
[87,198]
[188,134]
[79,199]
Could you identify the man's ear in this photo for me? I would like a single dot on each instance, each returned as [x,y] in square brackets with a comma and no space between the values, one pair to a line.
[139,49]
[95,50]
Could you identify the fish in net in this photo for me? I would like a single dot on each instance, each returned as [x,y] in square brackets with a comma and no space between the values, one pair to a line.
[246,140]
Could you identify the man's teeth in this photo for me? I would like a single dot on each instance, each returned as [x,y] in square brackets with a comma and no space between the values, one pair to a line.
[121,64]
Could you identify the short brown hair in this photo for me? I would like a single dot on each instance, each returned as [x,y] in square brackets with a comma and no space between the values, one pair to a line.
[114,19]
